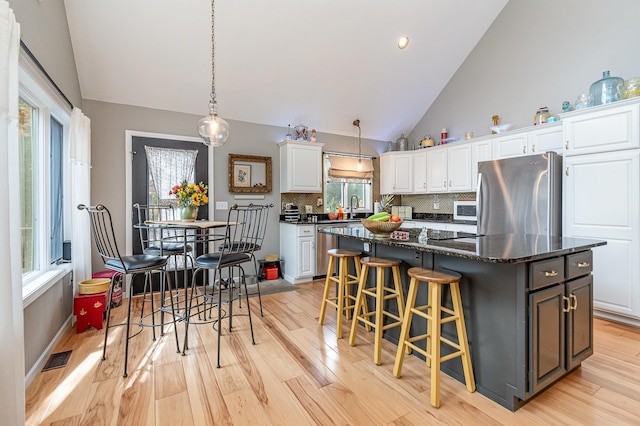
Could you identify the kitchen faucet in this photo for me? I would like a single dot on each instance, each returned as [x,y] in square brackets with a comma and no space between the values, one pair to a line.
[351,205]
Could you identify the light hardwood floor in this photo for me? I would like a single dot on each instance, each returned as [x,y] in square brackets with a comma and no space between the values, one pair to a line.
[298,373]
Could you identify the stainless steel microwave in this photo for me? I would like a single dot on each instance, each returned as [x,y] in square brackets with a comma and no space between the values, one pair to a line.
[465,210]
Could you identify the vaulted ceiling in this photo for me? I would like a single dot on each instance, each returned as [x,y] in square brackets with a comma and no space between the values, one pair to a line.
[278,62]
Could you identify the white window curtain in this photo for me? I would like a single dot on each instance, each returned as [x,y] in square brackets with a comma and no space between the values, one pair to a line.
[80,162]
[12,398]
[169,167]
[360,169]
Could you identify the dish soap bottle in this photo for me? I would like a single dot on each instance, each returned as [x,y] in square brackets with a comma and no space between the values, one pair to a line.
[340,212]
[422,238]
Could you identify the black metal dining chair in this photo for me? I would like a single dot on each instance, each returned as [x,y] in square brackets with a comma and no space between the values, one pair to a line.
[163,241]
[256,231]
[234,248]
[105,241]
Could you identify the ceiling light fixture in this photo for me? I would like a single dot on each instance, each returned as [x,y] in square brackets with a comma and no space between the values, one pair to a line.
[356,123]
[213,130]
[403,42]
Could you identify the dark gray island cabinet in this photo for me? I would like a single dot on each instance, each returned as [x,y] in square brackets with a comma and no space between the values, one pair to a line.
[528,304]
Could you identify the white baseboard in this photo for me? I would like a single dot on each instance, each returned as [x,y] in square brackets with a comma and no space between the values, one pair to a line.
[31,375]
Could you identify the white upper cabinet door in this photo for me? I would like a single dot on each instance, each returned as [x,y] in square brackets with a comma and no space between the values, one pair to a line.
[420,171]
[403,173]
[602,130]
[396,172]
[459,168]
[480,151]
[513,145]
[547,137]
[300,167]
[437,177]
[386,173]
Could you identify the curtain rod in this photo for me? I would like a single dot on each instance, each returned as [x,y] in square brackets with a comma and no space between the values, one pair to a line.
[44,72]
[346,154]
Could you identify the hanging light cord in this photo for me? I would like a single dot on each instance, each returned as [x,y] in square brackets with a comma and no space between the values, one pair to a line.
[212,103]
[357,124]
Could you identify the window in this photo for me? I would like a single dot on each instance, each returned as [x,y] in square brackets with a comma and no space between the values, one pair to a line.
[43,134]
[344,190]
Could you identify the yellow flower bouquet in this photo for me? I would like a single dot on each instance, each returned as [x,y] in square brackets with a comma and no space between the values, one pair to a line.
[190,194]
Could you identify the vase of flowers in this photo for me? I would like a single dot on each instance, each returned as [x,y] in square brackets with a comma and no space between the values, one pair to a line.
[190,196]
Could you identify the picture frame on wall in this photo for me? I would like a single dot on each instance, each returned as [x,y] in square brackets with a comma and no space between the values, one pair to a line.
[249,174]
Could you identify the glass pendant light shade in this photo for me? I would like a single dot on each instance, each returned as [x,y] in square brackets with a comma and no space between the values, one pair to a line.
[213,130]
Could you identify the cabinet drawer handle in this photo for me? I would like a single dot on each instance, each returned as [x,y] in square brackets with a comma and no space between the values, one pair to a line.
[583,264]
[567,304]
[574,301]
[566,145]
[550,273]
[533,148]
[566,171]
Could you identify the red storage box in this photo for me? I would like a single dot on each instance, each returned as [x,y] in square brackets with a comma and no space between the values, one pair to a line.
[271,273]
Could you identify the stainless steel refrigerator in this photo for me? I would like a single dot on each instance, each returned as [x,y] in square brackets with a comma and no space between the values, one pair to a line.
[520,195]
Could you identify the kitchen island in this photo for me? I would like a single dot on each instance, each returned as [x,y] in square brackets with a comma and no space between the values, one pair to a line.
[528,303]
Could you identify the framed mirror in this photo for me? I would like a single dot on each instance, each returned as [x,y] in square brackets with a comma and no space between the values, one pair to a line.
[249,173]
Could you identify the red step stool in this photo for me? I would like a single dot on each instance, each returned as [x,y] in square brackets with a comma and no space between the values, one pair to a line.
[89,310]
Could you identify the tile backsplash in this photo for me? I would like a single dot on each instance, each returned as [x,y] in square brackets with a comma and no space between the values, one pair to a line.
[425,203]
[420,203]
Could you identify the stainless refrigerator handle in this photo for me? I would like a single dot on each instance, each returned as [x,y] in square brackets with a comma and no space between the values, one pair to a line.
[478,202]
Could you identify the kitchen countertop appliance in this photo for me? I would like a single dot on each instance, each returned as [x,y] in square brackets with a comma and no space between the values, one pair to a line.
[292,213]
[520,195]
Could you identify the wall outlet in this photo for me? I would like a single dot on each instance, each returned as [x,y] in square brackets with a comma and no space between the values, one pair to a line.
[308,209]
[222,205]
[436,206]
[367,247]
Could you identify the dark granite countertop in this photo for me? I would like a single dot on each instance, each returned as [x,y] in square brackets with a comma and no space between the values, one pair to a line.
[502,248]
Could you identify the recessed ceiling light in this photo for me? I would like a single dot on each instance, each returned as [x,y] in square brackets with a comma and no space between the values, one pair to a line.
[403,42]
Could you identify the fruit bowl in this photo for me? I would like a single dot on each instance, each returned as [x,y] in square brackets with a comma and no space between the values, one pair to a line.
[381,229]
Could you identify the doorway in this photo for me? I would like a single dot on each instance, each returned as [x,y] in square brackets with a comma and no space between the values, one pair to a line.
[140,188]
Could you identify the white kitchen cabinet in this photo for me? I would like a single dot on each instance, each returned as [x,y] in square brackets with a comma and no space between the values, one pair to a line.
[606,128]
[449,168]
[300,166]
[396,172]
[601,202]
[480,151]
[511,145]
[529,141]
[437,170]
[547,137]
[298,248]
[420,171]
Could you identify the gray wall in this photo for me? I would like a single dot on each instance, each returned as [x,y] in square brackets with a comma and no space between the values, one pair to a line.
[536,53]
[110,121]
[44,29]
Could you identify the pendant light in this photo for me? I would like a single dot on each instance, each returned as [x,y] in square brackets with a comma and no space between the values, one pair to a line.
[213,130]
[356,123]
